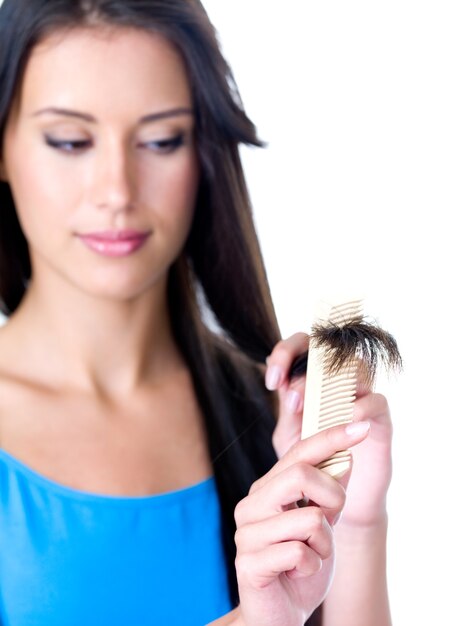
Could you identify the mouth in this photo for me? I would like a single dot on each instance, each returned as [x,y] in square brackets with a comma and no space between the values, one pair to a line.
[115,243]
[116,235]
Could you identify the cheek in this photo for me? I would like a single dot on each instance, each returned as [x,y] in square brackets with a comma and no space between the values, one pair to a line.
[172,194]
[41,193]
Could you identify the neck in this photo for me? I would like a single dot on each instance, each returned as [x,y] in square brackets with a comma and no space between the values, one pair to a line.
[103,346]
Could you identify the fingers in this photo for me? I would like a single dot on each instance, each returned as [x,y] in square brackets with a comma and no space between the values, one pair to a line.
[258,569]
[275,536]
[370,406]
[281,359]
[293,397]
[284,489]
[291,391]
[313,450]
[308,525]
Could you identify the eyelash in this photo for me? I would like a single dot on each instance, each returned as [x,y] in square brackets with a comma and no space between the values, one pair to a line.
[166,145]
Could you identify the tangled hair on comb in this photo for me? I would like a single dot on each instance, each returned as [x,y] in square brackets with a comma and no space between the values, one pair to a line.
[356,339]
[344,342]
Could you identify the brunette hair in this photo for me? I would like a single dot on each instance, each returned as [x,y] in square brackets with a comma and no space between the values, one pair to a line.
[220,272]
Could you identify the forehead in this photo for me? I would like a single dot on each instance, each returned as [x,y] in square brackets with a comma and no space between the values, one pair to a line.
[105,70]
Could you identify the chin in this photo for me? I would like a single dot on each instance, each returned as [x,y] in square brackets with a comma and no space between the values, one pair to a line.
[121,286]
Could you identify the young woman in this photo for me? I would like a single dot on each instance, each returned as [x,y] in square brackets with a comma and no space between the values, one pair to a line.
[150,462]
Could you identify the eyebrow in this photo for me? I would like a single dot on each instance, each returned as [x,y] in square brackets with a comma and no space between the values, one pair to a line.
[89,118]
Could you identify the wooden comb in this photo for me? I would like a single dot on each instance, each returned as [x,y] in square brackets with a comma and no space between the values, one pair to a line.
[341,342]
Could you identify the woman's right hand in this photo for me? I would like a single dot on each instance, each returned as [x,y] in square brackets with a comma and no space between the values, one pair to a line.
[285,553]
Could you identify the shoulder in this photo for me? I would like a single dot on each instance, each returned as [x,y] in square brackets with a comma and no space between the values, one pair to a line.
[8,355]
[15,362]
[12,387]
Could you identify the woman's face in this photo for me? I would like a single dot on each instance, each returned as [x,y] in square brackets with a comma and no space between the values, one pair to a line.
[97,165]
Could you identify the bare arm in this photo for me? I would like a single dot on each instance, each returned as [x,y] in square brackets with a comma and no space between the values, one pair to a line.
[285,556]
[358,595]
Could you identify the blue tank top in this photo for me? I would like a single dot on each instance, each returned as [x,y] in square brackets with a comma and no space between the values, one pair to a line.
[73,558]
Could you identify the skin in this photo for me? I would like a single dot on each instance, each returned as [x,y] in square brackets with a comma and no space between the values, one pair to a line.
[120,180]
[285,557]
[112,363]
[367,488]
[103,322]
[361,532]
[282,583]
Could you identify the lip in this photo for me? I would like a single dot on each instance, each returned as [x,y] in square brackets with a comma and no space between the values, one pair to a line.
[116,235]
[115,243]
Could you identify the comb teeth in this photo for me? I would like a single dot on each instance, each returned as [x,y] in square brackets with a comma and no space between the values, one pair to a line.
[329,397]
[339,312]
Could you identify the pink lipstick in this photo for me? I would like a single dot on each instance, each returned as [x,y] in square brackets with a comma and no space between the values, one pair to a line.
[115,243]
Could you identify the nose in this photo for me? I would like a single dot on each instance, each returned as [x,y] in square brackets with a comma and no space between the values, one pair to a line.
[113,178]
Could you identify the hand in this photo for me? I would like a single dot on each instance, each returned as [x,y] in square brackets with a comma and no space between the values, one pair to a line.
[291,393]
[372,464]
[285,554]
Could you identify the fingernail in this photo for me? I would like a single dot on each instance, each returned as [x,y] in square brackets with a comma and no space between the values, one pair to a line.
[356,429]
[293,401]
[273,377]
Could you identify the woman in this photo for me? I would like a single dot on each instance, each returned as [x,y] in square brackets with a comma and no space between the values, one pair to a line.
[147,475]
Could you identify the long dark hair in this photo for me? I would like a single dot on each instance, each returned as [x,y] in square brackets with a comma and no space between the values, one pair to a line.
[220,272]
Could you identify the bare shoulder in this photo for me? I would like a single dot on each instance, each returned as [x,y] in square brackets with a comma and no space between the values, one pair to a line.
[7,368]
[9,356]
[13,389]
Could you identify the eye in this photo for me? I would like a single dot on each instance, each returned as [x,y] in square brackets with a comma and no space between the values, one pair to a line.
[66,145]
[166,146]
[163,146]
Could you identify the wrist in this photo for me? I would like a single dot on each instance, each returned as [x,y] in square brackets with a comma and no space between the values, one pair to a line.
[359,533]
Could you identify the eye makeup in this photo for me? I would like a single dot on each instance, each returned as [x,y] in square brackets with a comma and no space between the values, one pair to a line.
[70,146]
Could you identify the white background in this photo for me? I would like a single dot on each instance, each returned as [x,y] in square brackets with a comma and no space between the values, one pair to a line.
[366,108]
